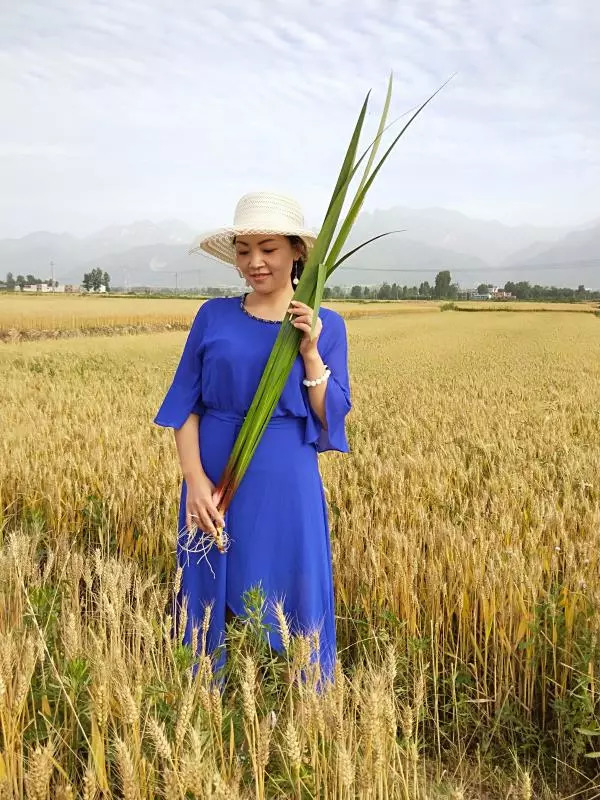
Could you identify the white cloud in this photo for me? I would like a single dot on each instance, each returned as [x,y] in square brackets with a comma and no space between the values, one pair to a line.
[124,109]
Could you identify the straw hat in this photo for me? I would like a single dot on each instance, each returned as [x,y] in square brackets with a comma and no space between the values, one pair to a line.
[257,212]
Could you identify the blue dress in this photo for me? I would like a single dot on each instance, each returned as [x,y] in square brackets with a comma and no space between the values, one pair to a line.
[277,521]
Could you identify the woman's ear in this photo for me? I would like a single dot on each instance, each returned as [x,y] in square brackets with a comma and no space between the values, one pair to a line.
[300,251]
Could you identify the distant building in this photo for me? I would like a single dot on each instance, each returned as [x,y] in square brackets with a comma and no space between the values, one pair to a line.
[43,288]
[500,294]
[495,293]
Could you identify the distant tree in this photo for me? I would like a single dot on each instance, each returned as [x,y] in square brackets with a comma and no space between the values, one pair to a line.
[425,289]
[442,284]
[384,292]
[10,282]
[523,290]
[356,292]
[483,288]
[95,279]
[21,281]
[327,293]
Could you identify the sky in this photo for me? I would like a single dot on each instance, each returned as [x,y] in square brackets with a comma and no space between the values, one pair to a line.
[117,110]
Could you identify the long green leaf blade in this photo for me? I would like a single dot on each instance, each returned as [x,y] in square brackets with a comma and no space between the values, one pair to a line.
[321,277]
[360,196]
[380,130]
[349,159]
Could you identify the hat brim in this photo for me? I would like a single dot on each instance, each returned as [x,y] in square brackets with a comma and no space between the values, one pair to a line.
[219,243]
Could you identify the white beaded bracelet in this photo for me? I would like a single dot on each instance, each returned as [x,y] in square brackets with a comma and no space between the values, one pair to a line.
[317,381]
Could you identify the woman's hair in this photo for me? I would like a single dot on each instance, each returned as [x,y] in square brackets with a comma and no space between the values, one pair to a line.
[298,242]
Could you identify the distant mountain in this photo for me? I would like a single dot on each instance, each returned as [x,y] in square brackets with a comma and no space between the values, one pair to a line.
[146,253]
[488,240]
[577,245]
[138,251]
[398,258]
[33,253]
[574,259]
[157,265]
[118,238]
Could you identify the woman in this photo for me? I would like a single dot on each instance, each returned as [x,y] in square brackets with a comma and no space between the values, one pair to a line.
[277,521]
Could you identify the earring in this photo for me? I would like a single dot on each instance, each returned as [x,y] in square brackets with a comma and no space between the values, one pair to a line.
[295,279]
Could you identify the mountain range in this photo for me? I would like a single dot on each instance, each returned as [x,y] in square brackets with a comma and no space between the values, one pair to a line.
[155,254]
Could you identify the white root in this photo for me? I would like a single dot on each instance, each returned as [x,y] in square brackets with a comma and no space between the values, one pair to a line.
[198,542]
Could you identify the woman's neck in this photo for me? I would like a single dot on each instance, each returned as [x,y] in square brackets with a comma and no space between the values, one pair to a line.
[275,304]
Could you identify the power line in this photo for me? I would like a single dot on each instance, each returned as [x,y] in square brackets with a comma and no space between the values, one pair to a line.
[590,262]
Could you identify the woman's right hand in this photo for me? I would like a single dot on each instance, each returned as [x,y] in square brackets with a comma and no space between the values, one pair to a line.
[201,505]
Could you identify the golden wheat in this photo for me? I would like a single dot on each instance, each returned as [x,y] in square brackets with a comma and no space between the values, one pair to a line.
[465,542]
[31,317]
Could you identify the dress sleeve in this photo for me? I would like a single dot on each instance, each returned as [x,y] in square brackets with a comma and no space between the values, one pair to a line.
[184,396]
[334,352]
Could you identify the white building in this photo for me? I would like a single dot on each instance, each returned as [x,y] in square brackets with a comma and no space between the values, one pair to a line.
[41,287]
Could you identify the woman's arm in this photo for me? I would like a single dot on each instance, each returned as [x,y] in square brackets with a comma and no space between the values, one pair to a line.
[187,440]
[314,368]
[329,402]
[201,499]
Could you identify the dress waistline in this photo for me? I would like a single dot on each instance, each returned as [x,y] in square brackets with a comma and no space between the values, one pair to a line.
[238,419]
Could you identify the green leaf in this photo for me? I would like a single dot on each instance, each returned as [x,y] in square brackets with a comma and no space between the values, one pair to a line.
[380,130]
[322,275]
[588,731]
[348,162]
[319,249]
[360,195]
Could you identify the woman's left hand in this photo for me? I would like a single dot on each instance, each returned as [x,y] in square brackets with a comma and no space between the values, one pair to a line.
[303,321]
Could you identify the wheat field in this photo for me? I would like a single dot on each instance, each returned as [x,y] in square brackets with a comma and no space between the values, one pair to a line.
[465,533]
[32,317]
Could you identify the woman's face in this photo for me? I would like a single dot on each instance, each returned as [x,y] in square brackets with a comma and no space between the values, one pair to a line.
[265,260]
